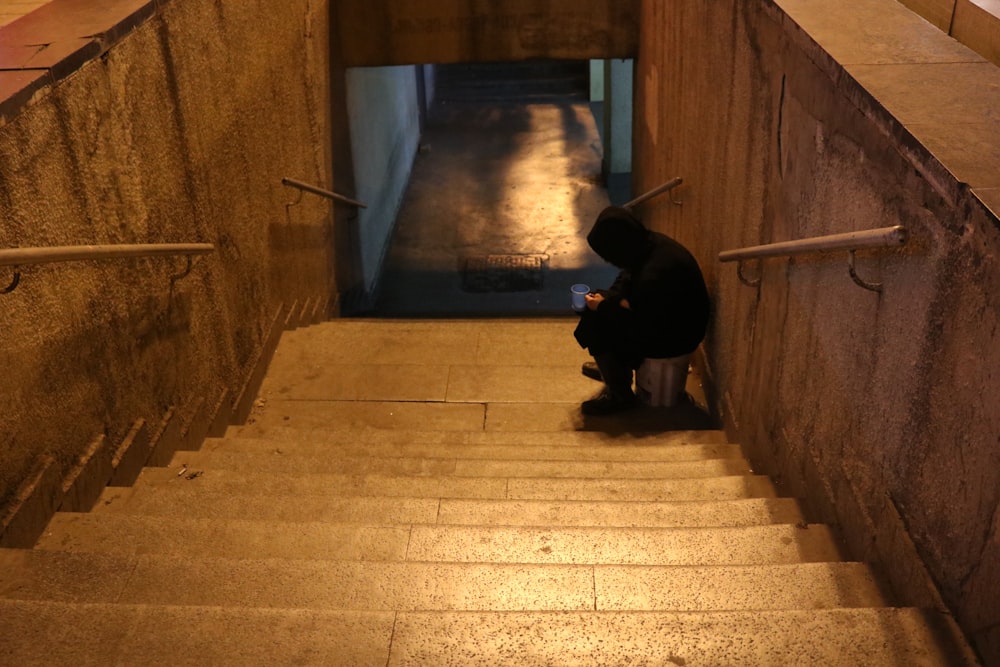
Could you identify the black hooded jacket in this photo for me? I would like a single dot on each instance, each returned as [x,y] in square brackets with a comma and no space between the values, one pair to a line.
[668,301]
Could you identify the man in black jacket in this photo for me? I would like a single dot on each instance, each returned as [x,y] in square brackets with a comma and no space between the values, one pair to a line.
[657,307]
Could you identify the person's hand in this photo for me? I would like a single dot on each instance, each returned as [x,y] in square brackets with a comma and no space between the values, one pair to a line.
[593,300]
[625,304]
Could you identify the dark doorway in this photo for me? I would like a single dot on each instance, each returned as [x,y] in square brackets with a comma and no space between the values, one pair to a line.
[505,186]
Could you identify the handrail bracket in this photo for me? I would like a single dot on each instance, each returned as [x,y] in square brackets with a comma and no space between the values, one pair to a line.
[743,279]
[874,287]
[184,274]
[13,283]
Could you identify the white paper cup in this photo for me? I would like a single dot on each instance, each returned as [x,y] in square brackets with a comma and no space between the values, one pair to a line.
[579,291]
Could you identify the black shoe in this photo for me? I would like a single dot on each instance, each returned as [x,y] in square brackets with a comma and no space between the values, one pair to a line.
[591,370]
[607,403]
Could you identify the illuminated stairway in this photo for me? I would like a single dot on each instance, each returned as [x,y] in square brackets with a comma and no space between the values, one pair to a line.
[426,493]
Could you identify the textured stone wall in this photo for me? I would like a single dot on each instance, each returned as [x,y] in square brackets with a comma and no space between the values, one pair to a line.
[179,131]
[881,408]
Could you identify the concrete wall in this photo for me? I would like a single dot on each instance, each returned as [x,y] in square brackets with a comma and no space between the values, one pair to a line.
[400,32]
[881,408]
[385,131]
[975,23]
[178,132]
[429,72]
[617,118]
[596,80]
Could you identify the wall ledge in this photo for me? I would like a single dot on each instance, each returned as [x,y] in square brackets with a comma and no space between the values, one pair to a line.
[52,42]
[933,96]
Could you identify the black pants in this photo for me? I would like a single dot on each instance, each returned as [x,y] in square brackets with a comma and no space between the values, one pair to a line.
[613,350]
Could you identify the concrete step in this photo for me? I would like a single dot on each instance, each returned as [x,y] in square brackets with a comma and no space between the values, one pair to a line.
[338,435]
[453,382]
[264,482]
[759,545]
[713,488]
[361,415]
[503,417]
[58,634]
[323,447]
[198,504]
[684,514]
[429,342]
[193,503]
[443,586]
[374,464]
[240,538]
[236,538]
[472,375]
[832,638]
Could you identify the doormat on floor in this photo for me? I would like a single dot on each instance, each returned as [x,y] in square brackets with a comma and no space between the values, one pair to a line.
[502,273]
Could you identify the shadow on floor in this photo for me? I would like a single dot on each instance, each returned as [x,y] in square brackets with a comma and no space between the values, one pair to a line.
[687,416]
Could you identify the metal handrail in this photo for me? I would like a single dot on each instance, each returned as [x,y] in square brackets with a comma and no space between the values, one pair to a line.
[669,185]
[883,237]
[18,257]
[27,256]
[291,182]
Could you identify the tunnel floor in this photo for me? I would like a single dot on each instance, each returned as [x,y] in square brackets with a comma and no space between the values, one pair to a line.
[504,189]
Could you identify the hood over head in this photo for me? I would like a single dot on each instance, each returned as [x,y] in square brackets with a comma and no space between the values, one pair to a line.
[619,238]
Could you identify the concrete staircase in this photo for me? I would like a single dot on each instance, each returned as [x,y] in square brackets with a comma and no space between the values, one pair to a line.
[426,493]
